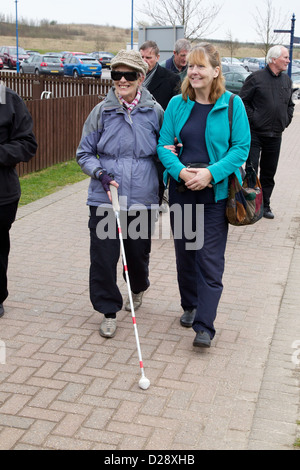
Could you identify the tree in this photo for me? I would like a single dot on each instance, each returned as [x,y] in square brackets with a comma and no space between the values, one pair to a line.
[231,44]
[266,21]
[196,18]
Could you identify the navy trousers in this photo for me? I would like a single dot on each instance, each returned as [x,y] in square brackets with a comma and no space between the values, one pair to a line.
[104,256]
[7,217]
[200,271]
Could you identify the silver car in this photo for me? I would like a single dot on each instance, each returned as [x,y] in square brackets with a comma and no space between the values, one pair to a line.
[42,65]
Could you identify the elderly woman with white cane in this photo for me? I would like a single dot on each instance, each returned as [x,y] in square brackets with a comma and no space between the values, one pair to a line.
[118,147]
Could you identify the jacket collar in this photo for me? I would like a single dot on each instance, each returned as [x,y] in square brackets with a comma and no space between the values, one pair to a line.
[222,102]
[146,100]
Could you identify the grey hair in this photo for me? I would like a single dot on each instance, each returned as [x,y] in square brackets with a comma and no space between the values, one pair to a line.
[182,45]
[274,53]
[150,45]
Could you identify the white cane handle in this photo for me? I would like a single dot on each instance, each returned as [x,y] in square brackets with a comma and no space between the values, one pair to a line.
[114,198]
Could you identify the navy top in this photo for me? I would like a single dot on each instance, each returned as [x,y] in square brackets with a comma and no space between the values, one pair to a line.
[193,135]
[195,151]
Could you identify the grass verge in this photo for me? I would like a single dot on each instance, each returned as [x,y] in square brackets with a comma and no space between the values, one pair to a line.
[42,183]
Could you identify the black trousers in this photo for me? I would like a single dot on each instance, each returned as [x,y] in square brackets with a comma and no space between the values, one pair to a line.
[105,253]
[264,153]
[7,217]
[200,270]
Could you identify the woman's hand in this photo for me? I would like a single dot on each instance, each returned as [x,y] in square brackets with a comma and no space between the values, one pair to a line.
[113,183]
[175,148]
[196,179]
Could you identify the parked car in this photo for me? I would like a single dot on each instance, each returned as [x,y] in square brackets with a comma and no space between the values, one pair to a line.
[235,80]
[244,61]
[255,63]
[82,66]
[55,54]
[232,68]
[230,60]
[8,55]
[1,64]
[42,65]
[296,85]
[32,52]
[68,55]
[295,66]
[103,57]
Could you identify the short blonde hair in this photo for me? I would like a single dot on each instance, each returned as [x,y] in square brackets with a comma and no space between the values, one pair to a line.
[205,53]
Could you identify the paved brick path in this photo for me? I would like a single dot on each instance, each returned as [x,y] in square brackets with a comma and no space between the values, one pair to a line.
[65,387]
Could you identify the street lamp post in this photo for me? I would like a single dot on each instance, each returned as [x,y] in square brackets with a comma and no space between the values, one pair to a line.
[292,41]
[17,37]
[131,24]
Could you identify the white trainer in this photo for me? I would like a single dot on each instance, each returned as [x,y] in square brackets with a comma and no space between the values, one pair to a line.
[108,327]
[137,300]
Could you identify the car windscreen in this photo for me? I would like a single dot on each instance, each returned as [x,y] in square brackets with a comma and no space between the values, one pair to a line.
[89,60]
[13,50]
[53,60]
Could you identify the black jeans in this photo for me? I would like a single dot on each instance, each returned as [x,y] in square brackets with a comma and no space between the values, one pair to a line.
[104,255]
[7,217]
[264,153]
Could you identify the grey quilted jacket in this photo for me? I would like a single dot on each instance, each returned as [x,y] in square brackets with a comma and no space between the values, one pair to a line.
[123,144]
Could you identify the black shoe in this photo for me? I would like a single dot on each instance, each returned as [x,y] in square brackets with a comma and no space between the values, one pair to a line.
[268,214]
[188,317]
[1,310]
[202,340]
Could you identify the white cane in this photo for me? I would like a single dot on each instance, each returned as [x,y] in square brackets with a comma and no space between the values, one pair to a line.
[144,383]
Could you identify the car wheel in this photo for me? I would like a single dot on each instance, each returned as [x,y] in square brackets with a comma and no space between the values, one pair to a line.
[21,70]
[75,74]
[10,65]
[37,72]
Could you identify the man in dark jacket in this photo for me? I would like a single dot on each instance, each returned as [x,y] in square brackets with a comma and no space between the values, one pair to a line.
[163,85]
[17,144]
[161,82]
[267,95]
[178,62]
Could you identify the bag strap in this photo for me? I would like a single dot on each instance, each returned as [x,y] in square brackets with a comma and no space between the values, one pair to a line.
[230,114]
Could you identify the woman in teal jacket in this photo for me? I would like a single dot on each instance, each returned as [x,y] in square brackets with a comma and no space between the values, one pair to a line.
[198,172]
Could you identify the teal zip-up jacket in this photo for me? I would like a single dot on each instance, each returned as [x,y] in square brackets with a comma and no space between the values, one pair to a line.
[224,160]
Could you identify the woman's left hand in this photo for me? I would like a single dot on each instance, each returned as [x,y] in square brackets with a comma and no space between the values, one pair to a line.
[202,178]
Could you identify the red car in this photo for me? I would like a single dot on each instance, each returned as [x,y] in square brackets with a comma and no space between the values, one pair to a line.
[66,55]
[1,63]
[8,54]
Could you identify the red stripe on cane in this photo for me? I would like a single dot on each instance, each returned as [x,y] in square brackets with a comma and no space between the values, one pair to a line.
[134,320]
[141,365]
[120,230]
[125,267]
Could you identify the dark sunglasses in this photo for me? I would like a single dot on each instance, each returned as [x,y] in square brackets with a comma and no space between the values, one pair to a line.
[129,76]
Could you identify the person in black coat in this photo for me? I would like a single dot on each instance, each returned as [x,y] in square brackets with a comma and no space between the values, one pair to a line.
[161,82]
[17,144]
[163,85]
[267,96]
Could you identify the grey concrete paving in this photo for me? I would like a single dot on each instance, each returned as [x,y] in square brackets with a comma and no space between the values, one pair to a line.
[64,387]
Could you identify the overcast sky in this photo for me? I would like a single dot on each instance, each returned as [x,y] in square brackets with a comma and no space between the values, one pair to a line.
[236,15]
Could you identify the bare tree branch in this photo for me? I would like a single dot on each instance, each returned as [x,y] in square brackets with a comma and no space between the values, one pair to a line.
[267,19]
[196,18]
